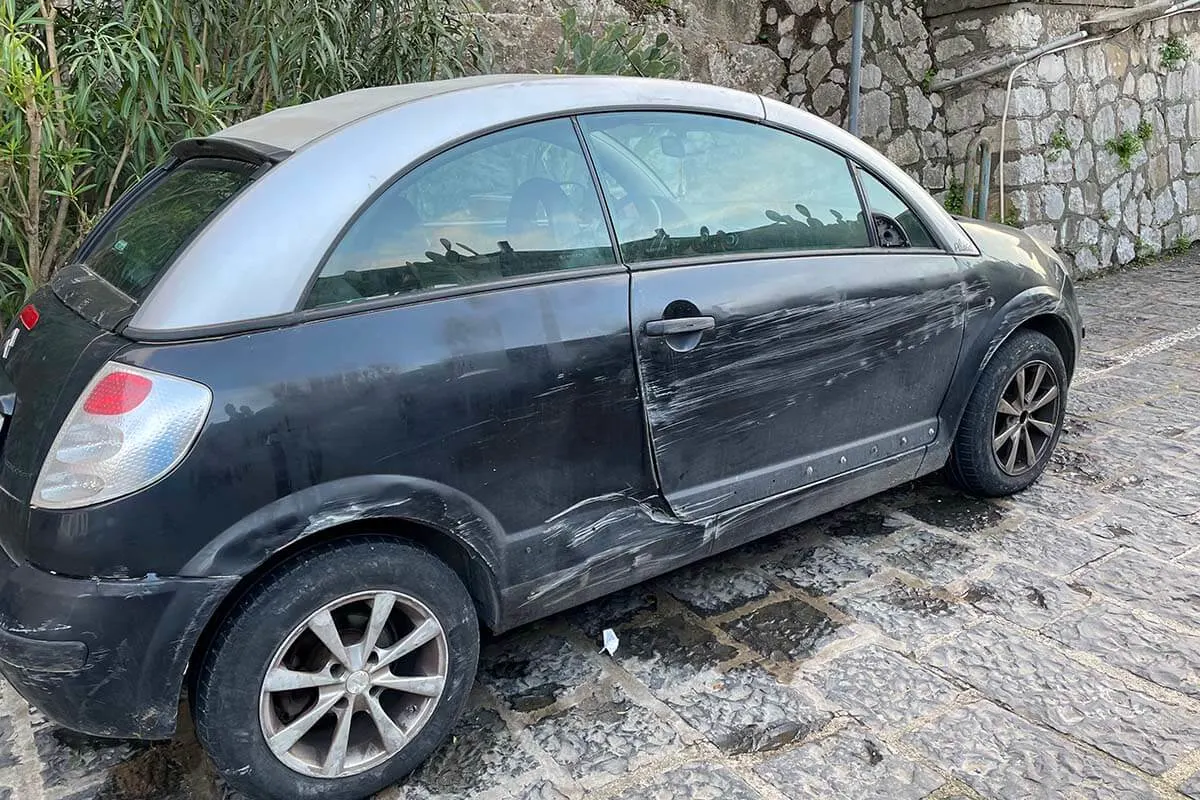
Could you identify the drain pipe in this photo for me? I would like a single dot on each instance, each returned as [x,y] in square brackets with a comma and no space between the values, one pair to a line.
[1014,60]
[856,48]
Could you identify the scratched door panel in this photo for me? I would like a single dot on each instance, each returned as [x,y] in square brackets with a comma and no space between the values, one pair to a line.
[815,366]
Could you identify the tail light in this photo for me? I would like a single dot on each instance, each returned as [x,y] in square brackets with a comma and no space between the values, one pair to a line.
[129,428]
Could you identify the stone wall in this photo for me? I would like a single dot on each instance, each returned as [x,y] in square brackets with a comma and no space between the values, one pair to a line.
[1078,197]
[1062,183]
[719,39]
[896,114]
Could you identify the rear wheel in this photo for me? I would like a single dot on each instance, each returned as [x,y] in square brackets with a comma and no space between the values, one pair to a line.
[339,673]
[1013,419]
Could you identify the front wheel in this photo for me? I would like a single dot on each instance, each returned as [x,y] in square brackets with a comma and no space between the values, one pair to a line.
[339,673]
[1013,419]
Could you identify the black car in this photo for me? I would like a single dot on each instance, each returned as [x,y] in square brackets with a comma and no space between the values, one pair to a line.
[330,389]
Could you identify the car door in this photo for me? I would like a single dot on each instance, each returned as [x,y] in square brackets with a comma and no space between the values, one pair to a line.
[778,345]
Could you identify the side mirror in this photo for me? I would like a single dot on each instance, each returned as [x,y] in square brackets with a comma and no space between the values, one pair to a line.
[672,146]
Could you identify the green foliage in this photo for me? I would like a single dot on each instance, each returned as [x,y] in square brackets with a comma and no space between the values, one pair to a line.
[619,49]
[1181,245]
[1174,52]
[1129,143]
[928,79]
[955,198]
[1059,143]
[93,94]
[1142,250]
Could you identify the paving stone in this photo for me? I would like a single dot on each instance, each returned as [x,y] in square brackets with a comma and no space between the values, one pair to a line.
[1147,420]
[882,688]
[1164,377]
[1000,755]
[711,589]
[1173,494]
[821,569]
[670,652]
[906,613]
[1191,787]
[1155,651]
[7,758]
[957,512]
[698,781]
[1024,596]
[1045,686]
[744,710]
[542,790]
[480,755]
[1159,587]
[929,555]
[604,737]
[1054,498]
[849,763]
[1135,526]
[789,630]
[1051,545]
[531,671]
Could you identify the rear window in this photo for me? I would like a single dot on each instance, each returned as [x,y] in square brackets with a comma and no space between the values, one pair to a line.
[132,250]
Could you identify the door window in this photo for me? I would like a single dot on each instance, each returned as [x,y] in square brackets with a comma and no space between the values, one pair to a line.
[682,185]
[893,216]
[513,203]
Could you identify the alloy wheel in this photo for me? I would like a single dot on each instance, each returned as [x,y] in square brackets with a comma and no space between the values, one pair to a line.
[1026,418]
[353,684]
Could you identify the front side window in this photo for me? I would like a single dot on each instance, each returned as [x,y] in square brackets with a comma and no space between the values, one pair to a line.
[133,249]
[895,222]
[514,203]
[681,185]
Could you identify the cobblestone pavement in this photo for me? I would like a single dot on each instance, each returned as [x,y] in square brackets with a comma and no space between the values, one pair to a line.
[919,645]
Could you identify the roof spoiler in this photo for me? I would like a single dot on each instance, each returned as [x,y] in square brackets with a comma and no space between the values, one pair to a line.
[229,147]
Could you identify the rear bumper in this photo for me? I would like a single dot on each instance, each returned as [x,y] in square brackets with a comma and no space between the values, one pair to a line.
[102,657]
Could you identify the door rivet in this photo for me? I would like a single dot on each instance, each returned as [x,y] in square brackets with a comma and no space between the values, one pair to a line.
[903,440]
[932,431]
[843,459]
[808,470]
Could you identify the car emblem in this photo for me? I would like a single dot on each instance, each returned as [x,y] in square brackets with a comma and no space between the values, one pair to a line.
[10,341]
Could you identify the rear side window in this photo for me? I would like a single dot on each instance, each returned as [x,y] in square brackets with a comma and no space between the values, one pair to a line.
[514,203]
[133,249]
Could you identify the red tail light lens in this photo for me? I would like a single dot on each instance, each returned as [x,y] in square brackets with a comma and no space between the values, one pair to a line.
[117,393]
[29,316]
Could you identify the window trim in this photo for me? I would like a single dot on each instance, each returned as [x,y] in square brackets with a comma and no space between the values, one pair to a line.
[303,313]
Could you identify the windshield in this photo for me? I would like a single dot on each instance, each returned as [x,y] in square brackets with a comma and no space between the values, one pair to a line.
[130,252]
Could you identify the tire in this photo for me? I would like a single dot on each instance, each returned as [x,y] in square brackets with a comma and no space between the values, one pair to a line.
[974,464]
[410,591]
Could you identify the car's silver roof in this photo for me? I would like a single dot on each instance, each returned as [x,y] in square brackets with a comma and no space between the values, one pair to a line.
[293,127]
[255,259]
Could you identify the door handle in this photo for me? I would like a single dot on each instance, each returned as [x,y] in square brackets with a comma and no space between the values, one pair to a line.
[673,327]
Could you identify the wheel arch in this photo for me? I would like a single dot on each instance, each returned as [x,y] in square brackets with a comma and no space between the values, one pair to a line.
[1040,309]
[446,523]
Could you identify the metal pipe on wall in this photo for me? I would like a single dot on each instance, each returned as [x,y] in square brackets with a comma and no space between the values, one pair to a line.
[856,49]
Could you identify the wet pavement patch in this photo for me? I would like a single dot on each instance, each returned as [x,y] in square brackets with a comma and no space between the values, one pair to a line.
[787,631]
[532,671]
[956,513]
[670,651]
